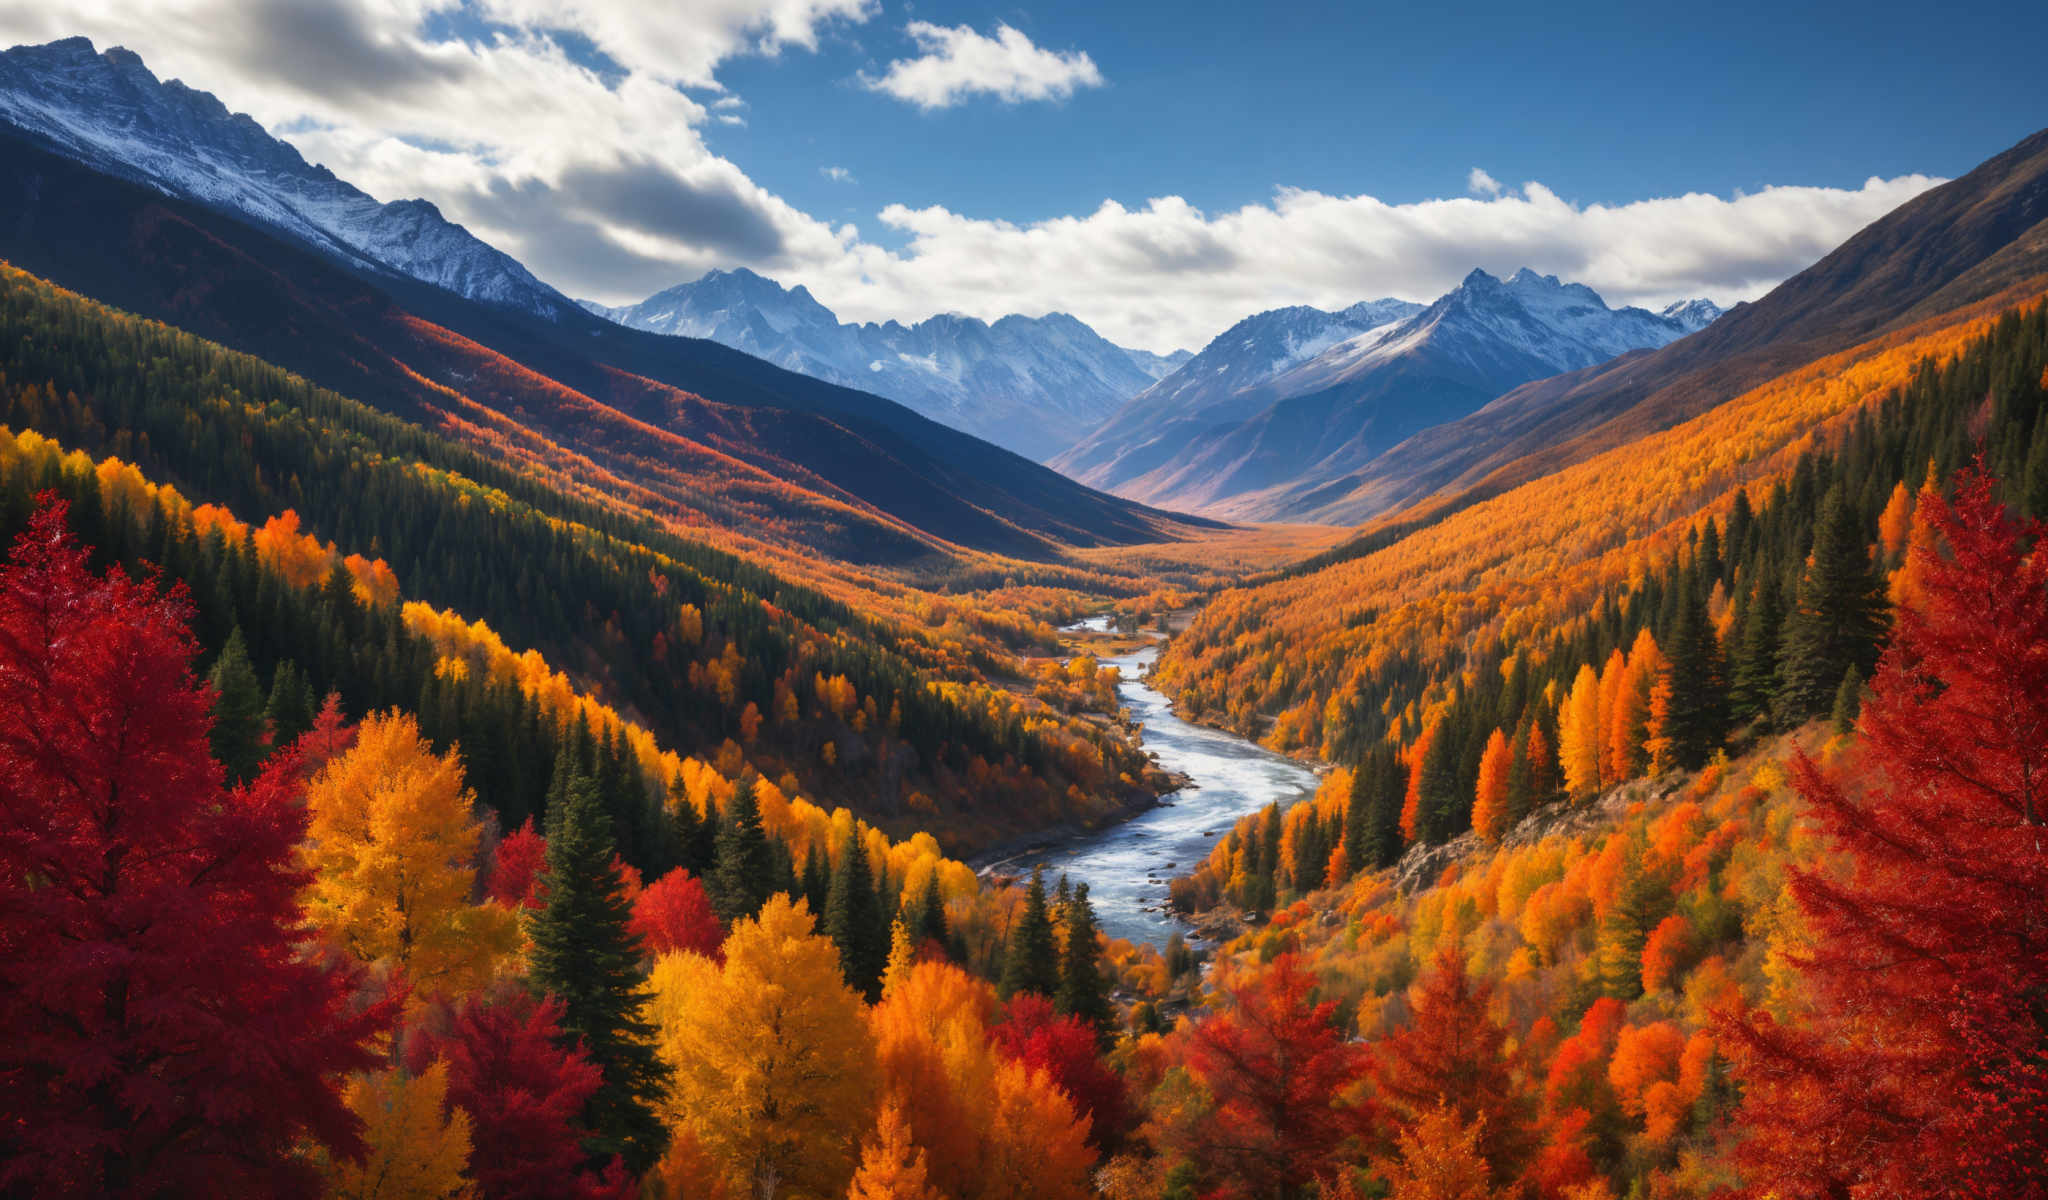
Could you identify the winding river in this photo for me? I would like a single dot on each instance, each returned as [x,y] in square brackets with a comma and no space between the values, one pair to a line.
[1126,866]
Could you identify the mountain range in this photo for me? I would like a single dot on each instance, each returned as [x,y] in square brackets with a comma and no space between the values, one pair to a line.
[1282,403]
[1030,384]
[153,196]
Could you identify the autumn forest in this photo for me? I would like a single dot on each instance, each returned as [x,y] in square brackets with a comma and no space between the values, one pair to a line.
[451,749]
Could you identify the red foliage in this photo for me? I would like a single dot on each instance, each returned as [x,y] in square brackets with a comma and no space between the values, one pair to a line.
[1454,1053]
[161,1031]
[331,736]
[1276,1069]
[1064,1048]
[516,869]
[524,1095]
[1923,1067]
[674,914]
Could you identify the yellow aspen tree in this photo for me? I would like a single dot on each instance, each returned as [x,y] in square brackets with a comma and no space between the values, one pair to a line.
[1439,1159]
[415,1148]
[774,1066]
[391,839]
[1628,725]
[892,1167]
[1578,735]
[1897,520]
[1490,804]
[1612,676]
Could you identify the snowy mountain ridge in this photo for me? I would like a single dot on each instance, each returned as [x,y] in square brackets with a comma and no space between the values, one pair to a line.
[111,113]
[1032,384]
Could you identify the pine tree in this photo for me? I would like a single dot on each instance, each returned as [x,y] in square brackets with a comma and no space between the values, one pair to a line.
[1032,963]
[237,737]
[1082,991]
[856,922]
[1848,700]
[743,867]
[1372,831]
[1696,715]
[926,919]
[586,955]
[292,705]
[816,881]
[1838,621]
[1755,681]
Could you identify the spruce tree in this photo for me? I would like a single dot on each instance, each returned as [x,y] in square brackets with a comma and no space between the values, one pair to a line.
[585,955]
[856,922]
[743,867]
[291,707]
[1032,963]
[1372,819]
[816,882]
[237,734]
[1848,701]
[926,919]
[1838,620]
[1083,992]
[1697,720]
[1754,681]
[1445,808]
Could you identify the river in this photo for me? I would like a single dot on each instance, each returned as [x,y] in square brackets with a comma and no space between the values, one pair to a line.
[1126,866]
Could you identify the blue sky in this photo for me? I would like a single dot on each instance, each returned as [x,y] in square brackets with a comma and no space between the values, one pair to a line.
[1222,102]
[1158,169]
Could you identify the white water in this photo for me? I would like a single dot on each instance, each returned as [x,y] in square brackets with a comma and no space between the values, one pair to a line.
[1126,866]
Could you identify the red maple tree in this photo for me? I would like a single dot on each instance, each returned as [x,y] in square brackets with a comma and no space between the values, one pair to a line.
[1921,1068]
[162,1028]
[524,1094]
[674,913]
[1454,1054]
[1033,1033]
[1276,1069]
[517,867]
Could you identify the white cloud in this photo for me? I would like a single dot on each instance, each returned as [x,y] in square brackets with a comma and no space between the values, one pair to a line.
[836,174]
[601,182]
[1479,183]
[958,63]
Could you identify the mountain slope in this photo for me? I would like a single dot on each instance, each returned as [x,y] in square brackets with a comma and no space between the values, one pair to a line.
[1218,386]
[1269,441]
[1024,383]
[109,111]
[1945,249]
[691,429]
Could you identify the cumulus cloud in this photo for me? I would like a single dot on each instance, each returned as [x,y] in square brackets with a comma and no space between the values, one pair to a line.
[584,157]
[1479,183]
[958,63]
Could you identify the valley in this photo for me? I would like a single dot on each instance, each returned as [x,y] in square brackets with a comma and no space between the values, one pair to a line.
[1454,733]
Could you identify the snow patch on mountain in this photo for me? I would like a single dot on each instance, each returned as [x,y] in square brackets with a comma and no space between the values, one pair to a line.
[1032,384]
[111,113]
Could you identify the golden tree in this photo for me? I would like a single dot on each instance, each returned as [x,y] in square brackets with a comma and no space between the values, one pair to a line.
[393,842]
[416,1148]
[891,1165]
[774,1066]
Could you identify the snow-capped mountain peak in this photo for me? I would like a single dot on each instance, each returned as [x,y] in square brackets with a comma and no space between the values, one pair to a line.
[1032,384]
[111,113]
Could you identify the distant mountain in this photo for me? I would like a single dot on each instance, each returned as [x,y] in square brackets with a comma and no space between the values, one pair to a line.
[1965,241]
[1259,423]
[1030,384]
[109,111]
[684,428]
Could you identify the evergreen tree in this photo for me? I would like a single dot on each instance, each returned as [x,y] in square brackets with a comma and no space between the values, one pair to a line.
[1838,621]
[743,868]
[926,919]
[237,736]
[1032,962]
[1697,720]
[1848,701]
[856,921]
[291,707]
[1372,815]
[816,881]
[1445,806]
[586,955]
[1083,992]
[1755,675]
